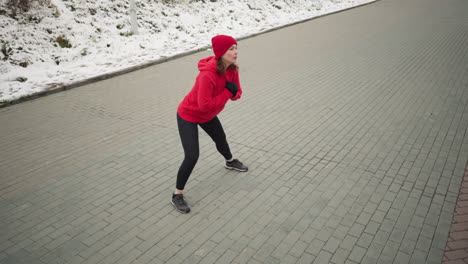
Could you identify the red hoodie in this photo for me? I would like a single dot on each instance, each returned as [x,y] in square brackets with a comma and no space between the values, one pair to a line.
[208,95]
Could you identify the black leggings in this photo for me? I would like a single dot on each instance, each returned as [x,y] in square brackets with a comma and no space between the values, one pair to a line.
[189,136]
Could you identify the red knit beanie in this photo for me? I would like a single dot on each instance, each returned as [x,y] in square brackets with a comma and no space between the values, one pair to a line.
[221,44]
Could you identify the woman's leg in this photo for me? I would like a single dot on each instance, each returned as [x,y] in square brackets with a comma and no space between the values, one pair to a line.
[215,130]
[188,132]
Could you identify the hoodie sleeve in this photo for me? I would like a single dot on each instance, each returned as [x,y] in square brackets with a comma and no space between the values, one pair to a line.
[206,101]
[239,90]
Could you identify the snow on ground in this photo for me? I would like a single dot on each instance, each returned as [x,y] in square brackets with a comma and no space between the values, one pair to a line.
[59,42]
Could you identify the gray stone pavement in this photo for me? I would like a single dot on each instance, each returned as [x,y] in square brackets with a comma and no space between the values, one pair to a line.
[353,126]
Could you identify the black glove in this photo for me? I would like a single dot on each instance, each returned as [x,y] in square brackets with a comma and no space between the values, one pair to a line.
[232,87]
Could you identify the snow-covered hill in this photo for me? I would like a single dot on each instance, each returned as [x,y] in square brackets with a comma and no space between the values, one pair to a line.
[63,41]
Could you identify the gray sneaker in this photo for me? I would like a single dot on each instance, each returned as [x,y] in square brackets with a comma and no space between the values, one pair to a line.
[236,165]
[179,203]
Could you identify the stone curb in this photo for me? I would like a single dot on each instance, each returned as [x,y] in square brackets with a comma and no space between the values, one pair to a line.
[155,62]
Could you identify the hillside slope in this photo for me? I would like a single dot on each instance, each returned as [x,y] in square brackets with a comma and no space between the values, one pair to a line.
[62,41]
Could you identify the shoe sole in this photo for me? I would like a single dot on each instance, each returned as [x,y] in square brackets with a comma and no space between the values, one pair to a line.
[180,211]
[232,168]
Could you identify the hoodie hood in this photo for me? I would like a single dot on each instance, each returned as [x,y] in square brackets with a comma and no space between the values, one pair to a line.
[207,64]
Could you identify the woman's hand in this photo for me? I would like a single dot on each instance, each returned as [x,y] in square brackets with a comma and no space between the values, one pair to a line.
[232,87]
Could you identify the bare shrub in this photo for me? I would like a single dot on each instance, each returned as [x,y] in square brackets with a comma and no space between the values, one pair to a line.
[25,5]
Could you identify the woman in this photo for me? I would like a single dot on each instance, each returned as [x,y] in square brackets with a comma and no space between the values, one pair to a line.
[217,82]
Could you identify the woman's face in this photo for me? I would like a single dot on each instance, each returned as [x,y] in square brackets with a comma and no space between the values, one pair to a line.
[230,56]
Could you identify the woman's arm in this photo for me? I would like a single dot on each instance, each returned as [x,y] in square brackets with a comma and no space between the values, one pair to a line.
[239,88]
[206,101]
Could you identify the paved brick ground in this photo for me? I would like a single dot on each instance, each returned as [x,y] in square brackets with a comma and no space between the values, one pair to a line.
[456,250]
[353,125]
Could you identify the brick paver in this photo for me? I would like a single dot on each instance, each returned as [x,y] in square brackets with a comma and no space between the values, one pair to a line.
[456,250]
[353,126]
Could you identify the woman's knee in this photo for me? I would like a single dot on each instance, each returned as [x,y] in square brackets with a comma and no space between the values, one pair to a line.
[192,157]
